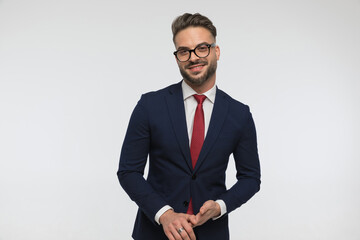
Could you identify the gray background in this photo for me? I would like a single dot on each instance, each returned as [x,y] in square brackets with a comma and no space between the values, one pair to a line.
[72,71]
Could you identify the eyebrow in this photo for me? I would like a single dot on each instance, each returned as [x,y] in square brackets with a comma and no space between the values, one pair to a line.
[186,48]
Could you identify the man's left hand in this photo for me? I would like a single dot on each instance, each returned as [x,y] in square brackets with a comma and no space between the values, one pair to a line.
[209,209]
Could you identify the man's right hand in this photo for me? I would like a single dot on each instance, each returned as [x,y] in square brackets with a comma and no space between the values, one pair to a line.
[177,226]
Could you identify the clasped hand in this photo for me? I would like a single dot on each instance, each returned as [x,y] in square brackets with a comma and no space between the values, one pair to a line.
[178,226]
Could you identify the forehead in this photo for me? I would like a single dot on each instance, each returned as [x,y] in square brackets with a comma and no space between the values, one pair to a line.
[192,36]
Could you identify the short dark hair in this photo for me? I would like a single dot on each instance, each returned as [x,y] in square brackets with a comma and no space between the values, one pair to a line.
[192,20]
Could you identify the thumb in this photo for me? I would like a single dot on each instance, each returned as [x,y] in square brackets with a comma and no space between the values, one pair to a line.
[192,219]
[204,208]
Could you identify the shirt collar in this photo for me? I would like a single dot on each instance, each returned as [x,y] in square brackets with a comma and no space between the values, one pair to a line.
[188,92]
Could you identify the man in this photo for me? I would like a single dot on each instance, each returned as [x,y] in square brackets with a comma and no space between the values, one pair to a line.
[189,130]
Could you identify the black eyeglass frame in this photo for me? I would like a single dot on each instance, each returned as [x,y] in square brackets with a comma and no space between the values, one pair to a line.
[193,50]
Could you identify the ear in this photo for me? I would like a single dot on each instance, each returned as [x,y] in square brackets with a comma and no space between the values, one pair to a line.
[217,52]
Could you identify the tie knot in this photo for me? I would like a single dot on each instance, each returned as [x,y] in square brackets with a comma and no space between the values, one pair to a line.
[199,98]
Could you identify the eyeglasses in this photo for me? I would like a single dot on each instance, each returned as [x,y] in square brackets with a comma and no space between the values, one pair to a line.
[201,51]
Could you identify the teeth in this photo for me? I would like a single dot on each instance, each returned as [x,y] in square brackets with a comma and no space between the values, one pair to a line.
[196,66]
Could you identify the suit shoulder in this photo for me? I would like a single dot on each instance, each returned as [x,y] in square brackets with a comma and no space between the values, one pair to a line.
[233,102]
[161,92]
[157,97]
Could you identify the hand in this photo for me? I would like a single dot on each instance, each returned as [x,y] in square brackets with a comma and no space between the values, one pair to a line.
[209,209]
[172,222]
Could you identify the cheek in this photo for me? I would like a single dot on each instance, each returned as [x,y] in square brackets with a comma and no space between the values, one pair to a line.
[181,65]
[216,57]
[212,59]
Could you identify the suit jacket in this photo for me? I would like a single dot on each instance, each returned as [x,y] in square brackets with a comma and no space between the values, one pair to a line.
[157,129]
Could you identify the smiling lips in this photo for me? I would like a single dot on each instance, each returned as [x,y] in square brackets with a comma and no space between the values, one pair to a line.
[196,67]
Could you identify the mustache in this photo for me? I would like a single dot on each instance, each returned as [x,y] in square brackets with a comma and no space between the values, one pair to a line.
[190,64]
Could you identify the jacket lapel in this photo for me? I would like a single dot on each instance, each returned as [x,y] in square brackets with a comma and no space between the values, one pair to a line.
[175,103]
[218,116]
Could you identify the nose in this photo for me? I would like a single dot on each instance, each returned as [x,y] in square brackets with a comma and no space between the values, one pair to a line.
[193,57]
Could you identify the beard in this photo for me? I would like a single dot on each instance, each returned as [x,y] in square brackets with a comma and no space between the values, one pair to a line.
[198,81]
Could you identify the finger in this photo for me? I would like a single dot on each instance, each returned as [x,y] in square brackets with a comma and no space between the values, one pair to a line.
[188,228]
[169,235]
[192,220]
[175,233]
[183,231]
[190,232]
[202,218]
[184,235]
[206,206]
[199,219]
[204,209]
[187,216]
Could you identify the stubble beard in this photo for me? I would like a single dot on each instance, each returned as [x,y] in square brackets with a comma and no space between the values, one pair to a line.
[198,81]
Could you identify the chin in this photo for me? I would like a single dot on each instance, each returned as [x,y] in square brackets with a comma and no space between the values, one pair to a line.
[197,81]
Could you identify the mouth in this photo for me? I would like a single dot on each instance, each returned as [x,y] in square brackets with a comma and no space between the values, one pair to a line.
[196,67]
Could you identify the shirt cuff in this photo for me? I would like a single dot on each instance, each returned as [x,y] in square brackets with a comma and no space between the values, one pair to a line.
[222,208]
[160,212]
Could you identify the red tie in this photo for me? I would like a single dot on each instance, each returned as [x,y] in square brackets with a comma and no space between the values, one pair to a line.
[197,138]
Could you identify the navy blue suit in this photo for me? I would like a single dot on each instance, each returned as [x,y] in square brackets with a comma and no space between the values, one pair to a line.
[157,129]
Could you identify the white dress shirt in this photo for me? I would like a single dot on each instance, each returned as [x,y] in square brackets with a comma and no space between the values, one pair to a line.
[190,105]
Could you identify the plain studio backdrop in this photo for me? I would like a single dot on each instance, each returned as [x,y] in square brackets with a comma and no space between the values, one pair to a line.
[71,73]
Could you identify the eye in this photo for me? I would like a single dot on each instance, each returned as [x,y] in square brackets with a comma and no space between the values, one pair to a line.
[182,52]
[202,48]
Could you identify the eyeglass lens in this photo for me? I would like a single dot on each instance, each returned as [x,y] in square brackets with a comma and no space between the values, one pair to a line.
[200,51]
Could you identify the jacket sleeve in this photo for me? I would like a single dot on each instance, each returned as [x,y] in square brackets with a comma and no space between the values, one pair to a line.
[133,159]
[247,167]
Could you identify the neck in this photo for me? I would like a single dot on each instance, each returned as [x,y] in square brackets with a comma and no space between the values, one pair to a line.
[204,87]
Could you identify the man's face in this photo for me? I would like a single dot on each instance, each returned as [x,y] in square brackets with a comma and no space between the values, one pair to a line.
[197,71]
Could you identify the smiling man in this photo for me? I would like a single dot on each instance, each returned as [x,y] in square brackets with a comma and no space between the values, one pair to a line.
[189,130]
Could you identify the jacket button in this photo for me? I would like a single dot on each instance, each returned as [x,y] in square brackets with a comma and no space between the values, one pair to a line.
[193,177]
[186,203]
